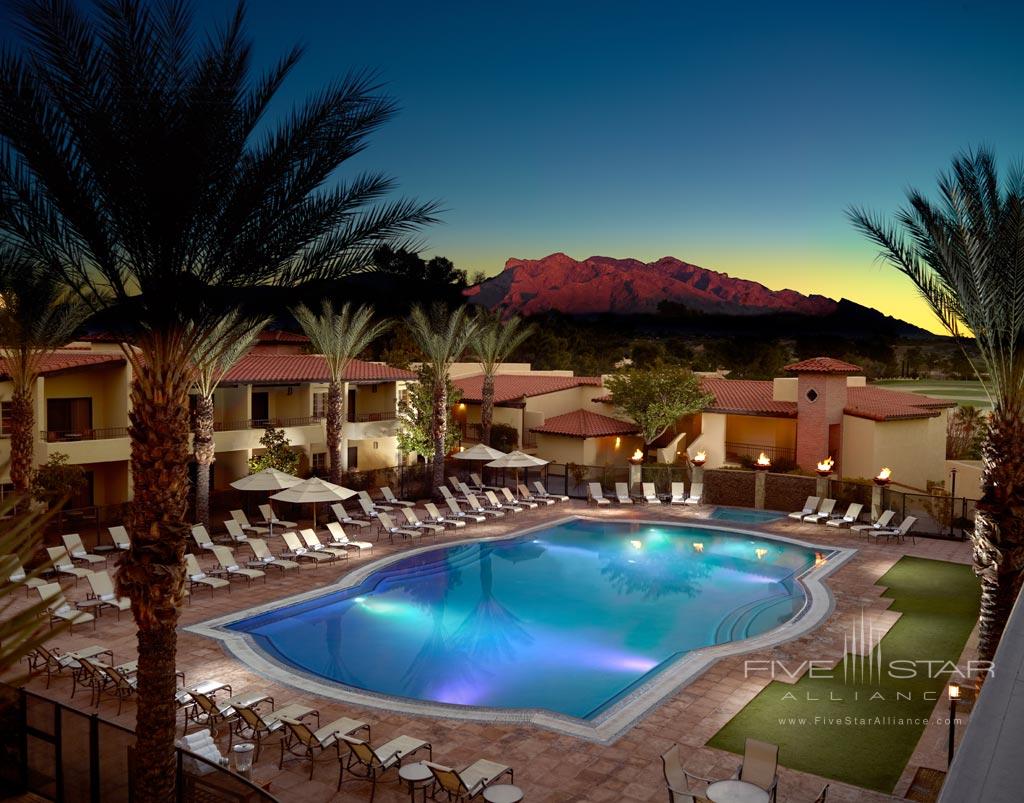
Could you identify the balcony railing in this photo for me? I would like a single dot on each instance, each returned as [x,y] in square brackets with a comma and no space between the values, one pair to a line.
[753,451]
[386,415]
[70,436]
[263,423]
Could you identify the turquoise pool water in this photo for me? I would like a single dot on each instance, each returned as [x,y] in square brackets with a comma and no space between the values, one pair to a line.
[745,515]
[568,619]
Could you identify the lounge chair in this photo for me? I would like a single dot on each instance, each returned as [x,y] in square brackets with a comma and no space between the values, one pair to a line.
[197,577]
[54,661]
[343,516]
[263,557]
[824,513]
[312,540]
[524,494]
[119,535]
[226,559]
[476,507]
[677,779]
[696,496]
[235,531]
[596,494]
[809,507]
[202,537]
[253,724]
[849,518]
[98,677]
[496,504]
[511,500]
[466,490]
[879,524]
[376,761]
[678,494]
[12,571]
[391,499]
[62,564]
[413,521]
[76,549]
[392,530]
[60,610]
[368,509]
[446,492]
[363,495]
[542,492]
[435,517]
[622,494]
[304,743]
[459,513]
[299,552]
[469,783]
[760,766]
[899,533]
[212,714]
[243,522]
[122,684]
[271,518]
[455,482]
[341,538]
[649,493]
[103,590]
[479,483]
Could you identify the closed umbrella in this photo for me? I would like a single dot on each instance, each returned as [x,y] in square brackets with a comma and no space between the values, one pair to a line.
[312,491]
[269,479]
[517,460]
[480,453]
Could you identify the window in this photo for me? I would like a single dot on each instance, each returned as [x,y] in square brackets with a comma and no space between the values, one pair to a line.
[319,462]
[320,404]
[68,419]
[351,411]
[5,419]
[811,395]
[353,458]
[260,408]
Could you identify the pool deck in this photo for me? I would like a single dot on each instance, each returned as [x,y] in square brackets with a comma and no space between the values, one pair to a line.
[550,767]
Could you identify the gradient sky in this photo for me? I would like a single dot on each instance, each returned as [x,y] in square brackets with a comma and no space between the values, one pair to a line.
[731,135]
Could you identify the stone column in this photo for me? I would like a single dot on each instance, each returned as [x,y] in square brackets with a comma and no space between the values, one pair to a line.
[876,502]
[821,489]
[759,483]
[635,475]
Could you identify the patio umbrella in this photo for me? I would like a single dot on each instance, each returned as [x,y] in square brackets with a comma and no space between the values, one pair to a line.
[270,479]
[480,453]
[517,460]
[312,491]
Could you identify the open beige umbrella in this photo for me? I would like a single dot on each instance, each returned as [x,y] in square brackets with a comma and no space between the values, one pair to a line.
[480,453]
[517,460]
[312,491]
[269,479]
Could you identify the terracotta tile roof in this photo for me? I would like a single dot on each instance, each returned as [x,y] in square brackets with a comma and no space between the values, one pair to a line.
[746,397]
[585,424]
[513,387]
[881,404]
[68,360]
[824,365]
[257,367]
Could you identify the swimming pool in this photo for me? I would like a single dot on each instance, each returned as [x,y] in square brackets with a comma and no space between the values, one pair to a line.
[568,619]
[745,515]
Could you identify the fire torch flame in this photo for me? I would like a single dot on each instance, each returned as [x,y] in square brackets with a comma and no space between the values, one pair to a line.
[884,475]
[762,460]
[825,466]
[638,456]
[700,457]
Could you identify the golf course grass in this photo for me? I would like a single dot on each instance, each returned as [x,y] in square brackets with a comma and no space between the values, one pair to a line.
[959,391]
[861,726]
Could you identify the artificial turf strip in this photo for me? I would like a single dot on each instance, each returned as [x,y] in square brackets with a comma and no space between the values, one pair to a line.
[939,602]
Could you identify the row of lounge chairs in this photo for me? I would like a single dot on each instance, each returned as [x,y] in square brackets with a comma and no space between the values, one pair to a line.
[677,496]
[819,511]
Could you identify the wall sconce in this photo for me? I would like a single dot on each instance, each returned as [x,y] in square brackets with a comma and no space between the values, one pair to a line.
[618,442]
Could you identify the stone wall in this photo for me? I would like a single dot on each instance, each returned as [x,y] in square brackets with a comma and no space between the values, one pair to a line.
[723,486]
[788,491]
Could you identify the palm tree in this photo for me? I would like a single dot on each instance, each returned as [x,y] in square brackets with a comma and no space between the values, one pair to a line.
[442,337]
[228,341]
[37,316]
[340,337]
[965,254]
[495,341]
[137,157]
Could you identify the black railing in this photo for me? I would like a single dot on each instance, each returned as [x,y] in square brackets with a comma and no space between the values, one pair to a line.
[754,450]
[386,415]
[263,423]
[70,436]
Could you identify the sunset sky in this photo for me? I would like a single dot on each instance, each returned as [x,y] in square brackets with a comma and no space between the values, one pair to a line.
[730,135]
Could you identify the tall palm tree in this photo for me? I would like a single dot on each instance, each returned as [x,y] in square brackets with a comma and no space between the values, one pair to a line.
[965,254]
[37,316]
[495,341]
[340,337]
[442,336]
[228,341]
[139,159]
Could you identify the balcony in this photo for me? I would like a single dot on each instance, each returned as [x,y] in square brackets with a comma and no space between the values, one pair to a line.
[752,451]
[73,436]
[263,423]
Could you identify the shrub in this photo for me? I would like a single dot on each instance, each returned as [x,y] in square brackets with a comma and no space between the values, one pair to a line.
[504,437]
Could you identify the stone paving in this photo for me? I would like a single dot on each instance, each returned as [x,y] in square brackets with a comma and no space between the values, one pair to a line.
[549,767]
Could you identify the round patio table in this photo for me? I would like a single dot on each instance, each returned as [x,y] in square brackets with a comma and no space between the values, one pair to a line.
[418,776]
[503,793]
[733,791]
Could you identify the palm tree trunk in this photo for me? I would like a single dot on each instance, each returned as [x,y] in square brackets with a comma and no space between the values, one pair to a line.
[151,573]
[998,537]
[487,409]
[205,454]
[23,436]
[439,430]
[335,422]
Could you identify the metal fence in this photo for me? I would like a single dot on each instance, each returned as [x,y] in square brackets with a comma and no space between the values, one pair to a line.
[62,754]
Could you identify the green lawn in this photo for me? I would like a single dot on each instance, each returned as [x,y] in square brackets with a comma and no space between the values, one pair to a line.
[962,392]
[851,730]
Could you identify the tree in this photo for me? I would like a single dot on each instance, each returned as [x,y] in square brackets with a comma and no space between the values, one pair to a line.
[340,337]
[495,340]
[442,336]
[138,158]
[278,453]
[656,398]
[37,316]
[57,480]
[965,254]
[965,428]
[416,416]
[229,341]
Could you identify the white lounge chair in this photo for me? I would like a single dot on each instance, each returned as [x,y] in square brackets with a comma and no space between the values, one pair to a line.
[391,499]
[12,571]
[227,562]
[446,492]
[678,494]
[899,533]
[542,492]
[235,531]
[434,515]
[879,524]
[341,538]
[368,509]
[476,507]
[119,535]
[62,563]
[243,522]
[343,516]
[271,518]
[76,549]
[622,494]
[313,542]
[459,513]
[496,504]
[596,494]
[414,521]
[696,494]
[650,495]
[197,577]
[470,782]
[849,518]
[373,505]
[392,530]
[202,537]
[479,483]
[809,507]
[103,590]
[59,610]
[824,513]
[299,552]
[511,500]
[263,557]
[524,494]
